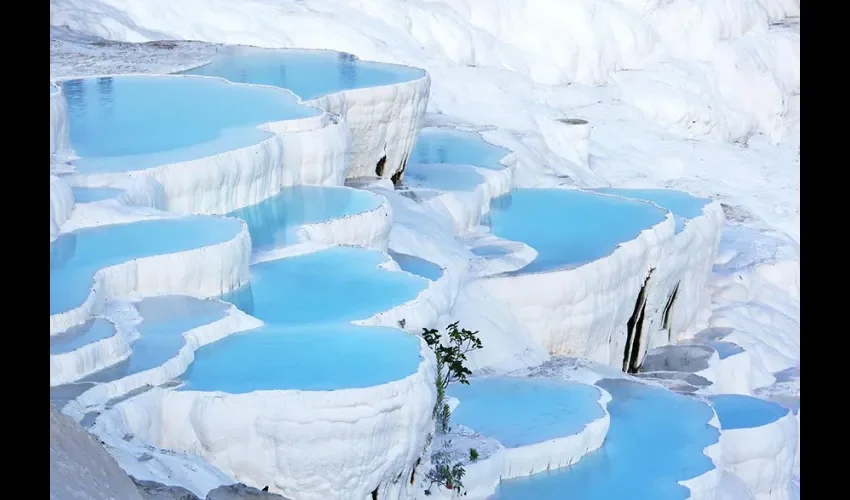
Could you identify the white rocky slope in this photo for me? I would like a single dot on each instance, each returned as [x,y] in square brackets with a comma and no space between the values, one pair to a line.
[729,42]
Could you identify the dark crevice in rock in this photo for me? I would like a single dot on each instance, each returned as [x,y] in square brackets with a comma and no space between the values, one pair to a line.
[665,317]
[634,328]
[379,167]
[634,364]
[413,472]
[396,177]
[375,494]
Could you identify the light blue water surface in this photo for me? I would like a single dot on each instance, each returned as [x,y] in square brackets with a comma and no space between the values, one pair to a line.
[128,123]
[656,439]
[683,205]
[315,358]
[272,222]
[443,177]
[523,411]
[569,227]
[164,321]
[742,412]
[337,284]
[417,266]
[78,336]
[90,194]
[307,73]
[490,251]
[75,257]
[435,145]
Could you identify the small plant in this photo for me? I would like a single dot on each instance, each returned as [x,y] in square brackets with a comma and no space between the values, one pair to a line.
[444,473]
[442,413]
[451,356]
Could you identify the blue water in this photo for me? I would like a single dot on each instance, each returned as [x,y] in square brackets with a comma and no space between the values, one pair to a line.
[309,74]
[726,349]
[656,439]
[318,358]
[568,227]
[490,251]
[683,206]
[743,412]
[417,266]
[457,147]
[164,321]
[81,335]
[271,222]
[76,256]
[523,411]
[87,194]
[127,123]
[443,177]
[337,284]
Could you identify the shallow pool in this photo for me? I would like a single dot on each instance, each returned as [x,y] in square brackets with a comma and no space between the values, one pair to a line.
[89,194]
[307,73]
[337,284]
[417,266]
[273,222]
[75,257]
[683,205]
[442,177]
[81,335]
[568,227]
[457,147]
[656,439]
[164,321]
[128,123]
[524,411]
[315,358]
[742,412]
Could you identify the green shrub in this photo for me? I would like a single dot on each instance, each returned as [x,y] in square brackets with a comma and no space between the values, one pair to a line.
[451,355]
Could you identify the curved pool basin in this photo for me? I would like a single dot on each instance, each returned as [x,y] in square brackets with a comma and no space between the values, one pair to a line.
[315,358]
[76,257]
[656,439]
[79,336]
[436,145]
[308,73]
[683,205]
[165,319]
[417,266]
[743,412]
[442,177]
[125,123]
[273,221]
[337,284]
[568,227]
[90,194]
[726,349]
[524,411]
